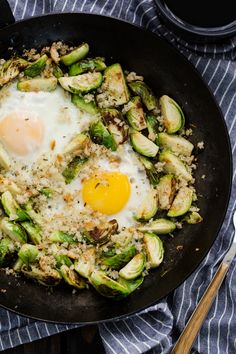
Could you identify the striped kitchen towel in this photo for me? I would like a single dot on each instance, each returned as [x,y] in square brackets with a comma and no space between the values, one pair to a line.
[155,329]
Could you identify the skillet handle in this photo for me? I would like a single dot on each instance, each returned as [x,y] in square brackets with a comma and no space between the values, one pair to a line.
[6,15]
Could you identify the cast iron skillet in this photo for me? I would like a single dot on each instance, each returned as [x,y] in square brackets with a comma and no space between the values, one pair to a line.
[167,72]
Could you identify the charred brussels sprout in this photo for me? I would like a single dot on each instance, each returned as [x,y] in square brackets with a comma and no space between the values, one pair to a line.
[154,249]
[38,84]
[107,286]
[72,278]
[28,253]
[13,230]
[50,278]
[94,64]
[159,226]
[173,116]
[11,69]
[73,169]
[166,191]
[174,165]
[57,72]
[100,135]
[82,83]
[134,268]
[152,126]
[101,234]
[77,145]
[61,237]
[146,94]
[33,230]
[143,145]
[75,55]
[114,90]
[120,259]
[89,107]
[6,249]
[135,114]
[62,259]
[86,263]
[12,209]
[182,202]
[148,208]
[114,122]
[36,67]
[150,169]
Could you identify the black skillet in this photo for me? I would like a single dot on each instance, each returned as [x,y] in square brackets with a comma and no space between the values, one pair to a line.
[167,72]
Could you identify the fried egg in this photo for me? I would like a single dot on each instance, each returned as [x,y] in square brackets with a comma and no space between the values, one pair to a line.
[37,123]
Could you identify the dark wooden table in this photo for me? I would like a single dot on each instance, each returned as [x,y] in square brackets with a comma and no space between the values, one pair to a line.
[85,340]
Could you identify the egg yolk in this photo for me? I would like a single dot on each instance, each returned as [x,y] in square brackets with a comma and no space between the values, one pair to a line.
[21,133]
[106,192]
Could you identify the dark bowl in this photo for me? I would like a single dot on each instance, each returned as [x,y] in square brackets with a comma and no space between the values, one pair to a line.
[191,32]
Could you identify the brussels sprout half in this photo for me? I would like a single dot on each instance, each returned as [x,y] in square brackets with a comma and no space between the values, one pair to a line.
[33,230]
[75,55]
[61,237]
[154,249]
[73,169]
[11,69]
[174,165]
[89,107]
[143,145]
[150,169]
[173,116]
[100,135]
[13,230]
[166,191]
[148,208]
[12,209]
[193,218]
[38,84]
[86,262]
[177,144]
[36,67]
[82,83]
[72,278]
[101,234]
[115,123]
[134,268]
[28,253]
[5,250]
[136,115]
[93,64]
[182,202]
[50,278]
[146,94]
[159,226]
[120,259]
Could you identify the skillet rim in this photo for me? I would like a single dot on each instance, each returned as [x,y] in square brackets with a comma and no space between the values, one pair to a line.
[229,152]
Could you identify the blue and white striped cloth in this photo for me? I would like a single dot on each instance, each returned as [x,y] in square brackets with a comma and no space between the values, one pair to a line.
[156,329]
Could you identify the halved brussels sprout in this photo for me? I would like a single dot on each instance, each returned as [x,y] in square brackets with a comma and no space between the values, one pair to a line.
[86,263]
[114,121]
[100,135]
[173,116]
[75,55]
[36,217]
[154,249]
[36,67]
[148,208]
[61,237]
[33,230]
[13,230]
[89,107]
[5,250]
[101,234]
[159,226]
[50,278]
[114,88]
[11,69]
[18,265]
[5,161]
[150,169]
[72,278]
[38,84]
[182,202]
[134,268]
[166,191]
[131,285]
[82,83]
[12,209]
[93,64]
[143,145]
[77,144]
[107,286]
[136,115]
[146,94]
[193,218]
[177,144]
[120,259]
[62,259]
[57,72]
[174,165]
[73,169]
[28,253]
[152,126]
